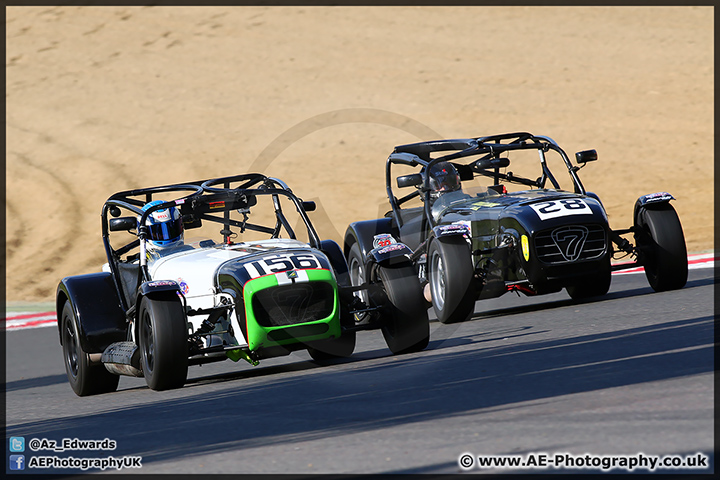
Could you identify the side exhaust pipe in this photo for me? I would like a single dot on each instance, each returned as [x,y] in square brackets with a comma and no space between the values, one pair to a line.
[122,358]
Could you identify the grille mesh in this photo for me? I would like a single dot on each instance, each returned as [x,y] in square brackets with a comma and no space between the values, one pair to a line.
[549,252]
[293,304]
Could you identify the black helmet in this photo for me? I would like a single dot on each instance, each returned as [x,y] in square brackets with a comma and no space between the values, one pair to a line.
[444,178]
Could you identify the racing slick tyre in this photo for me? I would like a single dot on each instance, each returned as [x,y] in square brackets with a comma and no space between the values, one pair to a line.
[594,285]
[85,379]
[356,270]
[404,323]
[162,337]
[450,273]
[662,243]
[324,350]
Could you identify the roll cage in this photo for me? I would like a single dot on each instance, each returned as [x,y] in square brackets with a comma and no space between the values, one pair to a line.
[487,150]
[210,200]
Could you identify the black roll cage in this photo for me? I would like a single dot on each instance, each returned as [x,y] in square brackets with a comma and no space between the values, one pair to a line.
[489,147]
[205,202]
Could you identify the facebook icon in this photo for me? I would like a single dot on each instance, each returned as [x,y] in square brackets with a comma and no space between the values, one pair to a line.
[17,462]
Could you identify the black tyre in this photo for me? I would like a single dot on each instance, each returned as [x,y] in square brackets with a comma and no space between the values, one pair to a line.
[450,273]
[162,336]
[594,285]
[85,379]
[358,276]
[324,350]
[404,322]
[662,247]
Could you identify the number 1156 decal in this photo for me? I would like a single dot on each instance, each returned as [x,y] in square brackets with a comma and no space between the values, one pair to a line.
[561,208]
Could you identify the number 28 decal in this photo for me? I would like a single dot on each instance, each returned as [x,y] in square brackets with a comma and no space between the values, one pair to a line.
[280,263]
[561,208]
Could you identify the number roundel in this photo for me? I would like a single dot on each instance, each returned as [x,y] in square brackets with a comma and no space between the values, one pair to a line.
[281,262]
[561,208]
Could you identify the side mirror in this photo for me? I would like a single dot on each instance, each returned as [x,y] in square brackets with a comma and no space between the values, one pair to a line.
[309,206]
[586,156]
[412,180]
[492,163]
[122,224]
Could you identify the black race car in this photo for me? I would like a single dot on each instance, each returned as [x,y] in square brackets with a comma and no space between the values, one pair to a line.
[490,215]
[264,286]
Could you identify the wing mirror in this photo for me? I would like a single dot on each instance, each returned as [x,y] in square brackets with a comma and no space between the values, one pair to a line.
[485,163]
[122,224]
[586,156]
[412,180]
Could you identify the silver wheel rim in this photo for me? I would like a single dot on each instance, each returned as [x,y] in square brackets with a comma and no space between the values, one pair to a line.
[71,355]
[437,280]
[357,277]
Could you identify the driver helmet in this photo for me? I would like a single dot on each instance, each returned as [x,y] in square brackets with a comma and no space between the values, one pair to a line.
[444,178]
[165,227]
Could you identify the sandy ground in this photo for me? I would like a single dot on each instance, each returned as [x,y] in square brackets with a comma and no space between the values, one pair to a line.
[103,99]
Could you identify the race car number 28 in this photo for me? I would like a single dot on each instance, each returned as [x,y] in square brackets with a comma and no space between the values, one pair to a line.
[561,208]
[280,263]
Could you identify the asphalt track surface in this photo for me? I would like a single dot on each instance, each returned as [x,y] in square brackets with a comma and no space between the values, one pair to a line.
[631,373]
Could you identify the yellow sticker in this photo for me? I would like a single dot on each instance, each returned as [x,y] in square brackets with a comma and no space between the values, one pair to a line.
[525,247]
[482,203]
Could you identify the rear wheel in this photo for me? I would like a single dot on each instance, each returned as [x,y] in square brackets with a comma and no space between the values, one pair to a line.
[85,379]
[450,272]
[662,247]
[162,333]
[404,321]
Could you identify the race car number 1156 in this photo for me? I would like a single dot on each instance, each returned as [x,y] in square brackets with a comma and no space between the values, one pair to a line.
[279,263]
[561,208]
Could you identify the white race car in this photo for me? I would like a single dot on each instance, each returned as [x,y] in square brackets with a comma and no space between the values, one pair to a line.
[163,302]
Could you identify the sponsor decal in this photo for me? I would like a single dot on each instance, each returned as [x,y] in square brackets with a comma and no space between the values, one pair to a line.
[184,287]
[161,283]
[561,208]
[383,240]
[656,197]
[392,248]
[216,205]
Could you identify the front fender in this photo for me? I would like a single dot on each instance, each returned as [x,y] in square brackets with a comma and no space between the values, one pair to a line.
[389,255]
[93,297]
[649,201]
[363,234]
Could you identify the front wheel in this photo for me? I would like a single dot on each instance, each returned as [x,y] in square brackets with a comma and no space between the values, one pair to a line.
[162,332]
[84,378]
[662,247]
[356,271]
[404,322]
[594,285]
[450,272]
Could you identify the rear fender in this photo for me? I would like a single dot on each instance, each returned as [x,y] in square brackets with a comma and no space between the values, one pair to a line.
[93,297]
